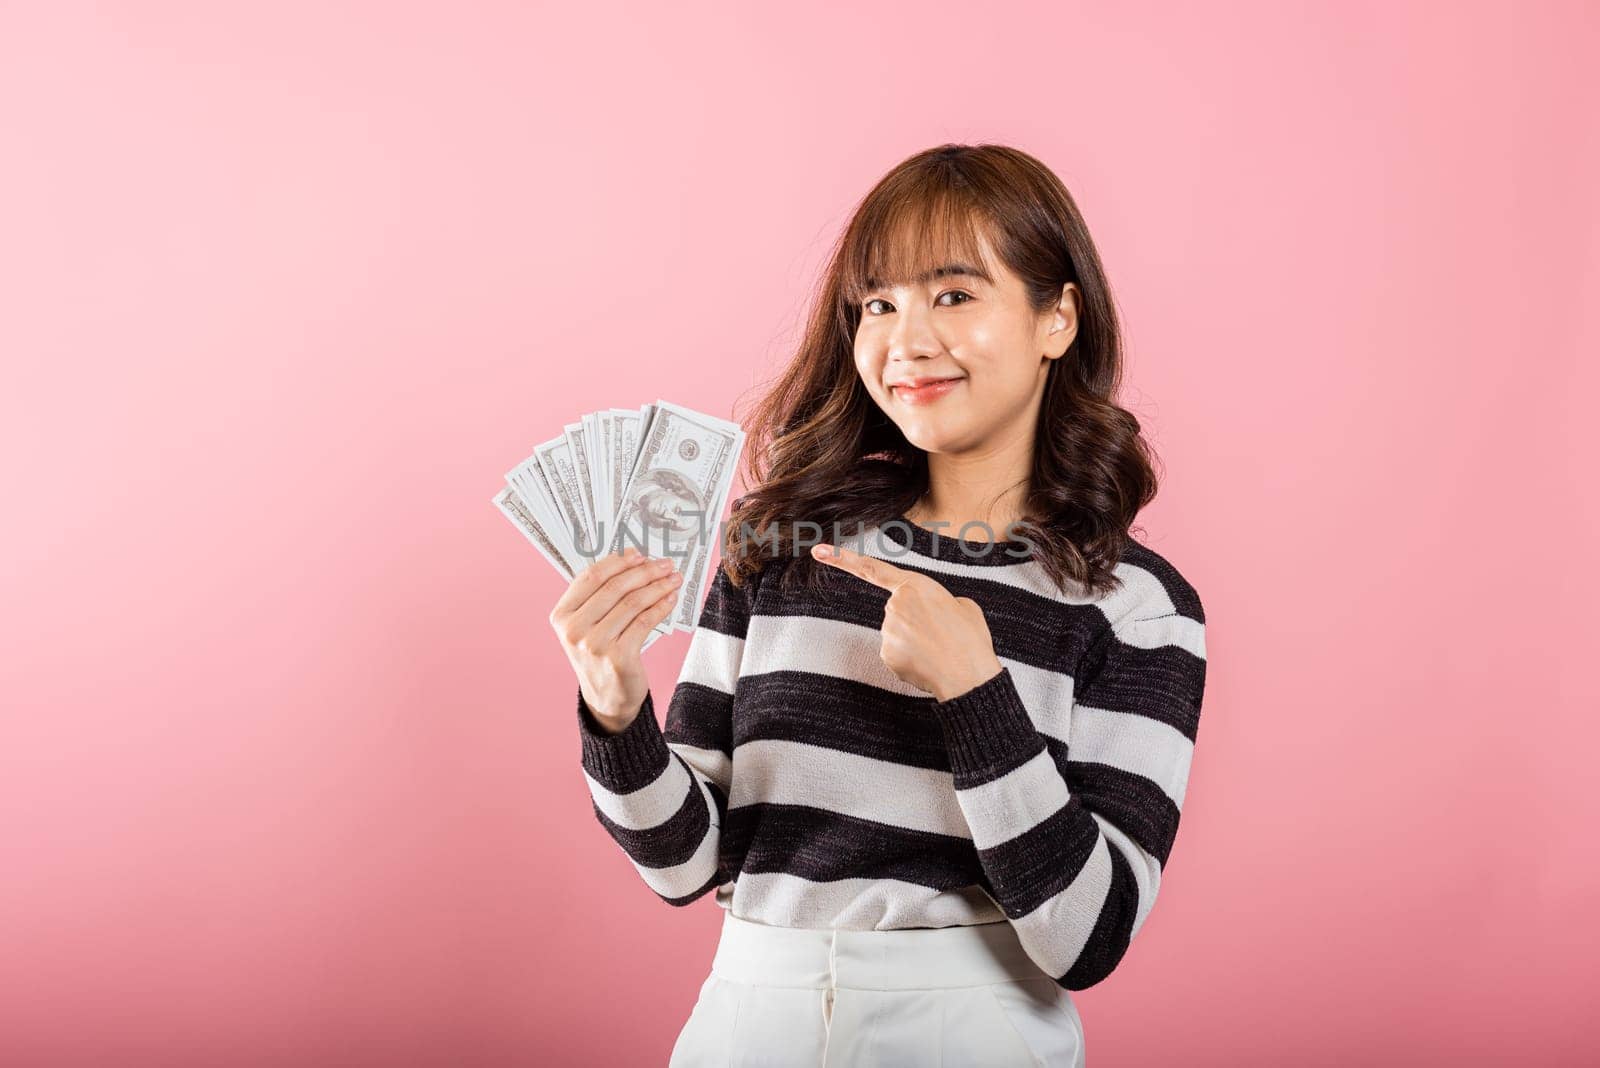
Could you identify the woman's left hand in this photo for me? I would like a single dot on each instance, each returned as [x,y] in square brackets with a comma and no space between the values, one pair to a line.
[932,639]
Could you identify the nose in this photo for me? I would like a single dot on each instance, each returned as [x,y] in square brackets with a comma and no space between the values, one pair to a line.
[912,336]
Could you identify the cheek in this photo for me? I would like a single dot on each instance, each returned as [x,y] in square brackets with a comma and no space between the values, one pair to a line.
[868,366]
[992,339]
[999,353]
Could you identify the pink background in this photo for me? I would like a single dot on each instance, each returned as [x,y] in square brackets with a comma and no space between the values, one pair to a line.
[288,762]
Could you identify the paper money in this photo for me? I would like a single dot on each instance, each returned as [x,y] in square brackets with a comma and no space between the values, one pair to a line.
[509,503]
[673,498]
[656,478]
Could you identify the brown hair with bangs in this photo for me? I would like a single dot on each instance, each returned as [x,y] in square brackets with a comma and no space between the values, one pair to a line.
[821,451]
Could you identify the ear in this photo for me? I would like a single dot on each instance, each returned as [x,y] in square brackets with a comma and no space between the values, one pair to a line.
[1063,323]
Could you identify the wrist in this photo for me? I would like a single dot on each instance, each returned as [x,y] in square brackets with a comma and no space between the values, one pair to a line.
[609,714]
[969,678]
[611,724]
[626,760]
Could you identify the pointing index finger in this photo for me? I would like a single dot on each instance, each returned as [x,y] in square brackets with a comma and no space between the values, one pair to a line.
[870,568]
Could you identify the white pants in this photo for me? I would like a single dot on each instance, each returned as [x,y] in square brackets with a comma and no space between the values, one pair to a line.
[949,996]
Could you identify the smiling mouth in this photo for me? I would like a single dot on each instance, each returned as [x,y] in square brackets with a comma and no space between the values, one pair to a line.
[931,390]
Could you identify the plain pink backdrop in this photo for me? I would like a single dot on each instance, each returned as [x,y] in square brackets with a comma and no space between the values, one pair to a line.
[288,761]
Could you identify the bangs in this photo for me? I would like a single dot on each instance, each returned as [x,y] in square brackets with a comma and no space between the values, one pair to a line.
[907,239]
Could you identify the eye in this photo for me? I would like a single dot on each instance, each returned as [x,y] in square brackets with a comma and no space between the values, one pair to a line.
[867,304]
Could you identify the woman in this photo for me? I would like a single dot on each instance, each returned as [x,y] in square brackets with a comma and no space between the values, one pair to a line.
[932,777]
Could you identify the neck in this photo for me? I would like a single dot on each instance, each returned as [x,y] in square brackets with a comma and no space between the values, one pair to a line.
[988,485]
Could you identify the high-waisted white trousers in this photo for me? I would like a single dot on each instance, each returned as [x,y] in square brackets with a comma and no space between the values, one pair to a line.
[952,997]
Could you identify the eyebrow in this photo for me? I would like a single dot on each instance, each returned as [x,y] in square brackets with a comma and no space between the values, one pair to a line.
[940,272]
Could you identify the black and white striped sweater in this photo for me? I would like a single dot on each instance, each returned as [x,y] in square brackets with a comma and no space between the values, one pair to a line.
[810,787]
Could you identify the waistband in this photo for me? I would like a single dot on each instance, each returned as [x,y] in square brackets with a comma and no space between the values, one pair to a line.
[909,959]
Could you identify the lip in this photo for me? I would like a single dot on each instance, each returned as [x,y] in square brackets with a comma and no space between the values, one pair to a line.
[923,390]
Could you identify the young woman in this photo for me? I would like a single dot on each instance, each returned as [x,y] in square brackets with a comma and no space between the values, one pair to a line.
[932,775]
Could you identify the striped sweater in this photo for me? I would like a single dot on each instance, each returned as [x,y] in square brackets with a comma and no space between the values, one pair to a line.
[808,786]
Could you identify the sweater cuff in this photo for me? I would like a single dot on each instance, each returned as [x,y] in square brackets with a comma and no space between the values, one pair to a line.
[626,761]
[987,730]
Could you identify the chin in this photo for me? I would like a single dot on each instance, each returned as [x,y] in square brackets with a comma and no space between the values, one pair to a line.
[932,438]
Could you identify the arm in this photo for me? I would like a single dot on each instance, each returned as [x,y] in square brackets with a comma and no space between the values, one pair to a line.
[1074,838]
[662,795]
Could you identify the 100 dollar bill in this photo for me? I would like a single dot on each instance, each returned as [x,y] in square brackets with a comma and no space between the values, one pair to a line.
[674,495]
[656,478]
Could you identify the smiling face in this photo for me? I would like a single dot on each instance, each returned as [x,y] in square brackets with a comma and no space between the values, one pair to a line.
[968,327]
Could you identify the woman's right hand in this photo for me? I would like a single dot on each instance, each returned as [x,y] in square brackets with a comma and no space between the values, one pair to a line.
[602,620]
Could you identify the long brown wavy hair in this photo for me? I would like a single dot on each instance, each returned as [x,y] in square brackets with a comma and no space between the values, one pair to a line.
[819,448]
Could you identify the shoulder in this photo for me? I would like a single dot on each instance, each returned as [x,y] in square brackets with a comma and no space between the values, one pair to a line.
[1154,609]
[1151,587]
[764,572]
[729,605]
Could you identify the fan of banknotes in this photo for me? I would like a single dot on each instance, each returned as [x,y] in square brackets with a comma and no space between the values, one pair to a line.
[655,478]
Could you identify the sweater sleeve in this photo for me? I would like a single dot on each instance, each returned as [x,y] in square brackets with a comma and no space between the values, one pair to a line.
[1074,837]
[662,793]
